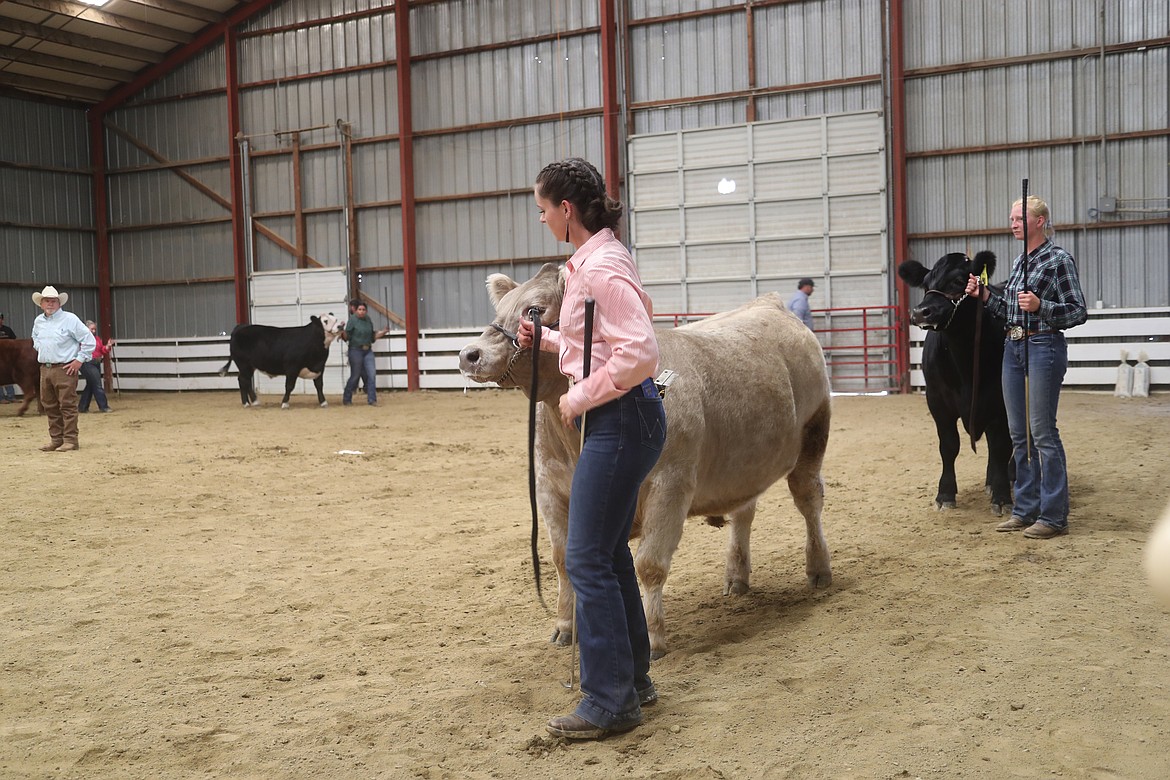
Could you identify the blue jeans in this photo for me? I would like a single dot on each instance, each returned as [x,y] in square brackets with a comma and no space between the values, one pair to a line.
[91,371]
[1041,488]
[623,440]
[361,364]
[7,393]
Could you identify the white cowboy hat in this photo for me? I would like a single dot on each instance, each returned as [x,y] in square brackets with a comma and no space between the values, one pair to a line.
[50,292]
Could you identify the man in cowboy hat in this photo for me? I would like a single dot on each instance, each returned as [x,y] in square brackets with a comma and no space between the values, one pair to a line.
[62,343]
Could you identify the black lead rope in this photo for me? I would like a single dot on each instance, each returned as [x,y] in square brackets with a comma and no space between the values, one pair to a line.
[534,315]
[975,362]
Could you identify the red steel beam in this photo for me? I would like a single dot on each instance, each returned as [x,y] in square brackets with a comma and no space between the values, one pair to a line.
[406,168]
[97,153]
[239,260]
[609,104]
[898,173]
[204,38]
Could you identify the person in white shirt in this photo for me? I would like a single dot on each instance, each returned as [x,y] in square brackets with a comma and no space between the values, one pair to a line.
[63,344]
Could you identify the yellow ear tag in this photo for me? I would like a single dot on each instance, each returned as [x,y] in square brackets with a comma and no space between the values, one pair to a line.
[983,277]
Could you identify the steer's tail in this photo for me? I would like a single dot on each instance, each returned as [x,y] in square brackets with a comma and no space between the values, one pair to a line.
[223,371]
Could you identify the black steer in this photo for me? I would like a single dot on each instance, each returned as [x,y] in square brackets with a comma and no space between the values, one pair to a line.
[948,365]
[294,353]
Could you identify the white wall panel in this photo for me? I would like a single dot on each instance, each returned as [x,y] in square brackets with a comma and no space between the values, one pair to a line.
[656,189]
[790,218]
[790,258]
[659,152]
[790,179]
[659,263]
[718,261]
[715,223]
[714,184]
[792,140]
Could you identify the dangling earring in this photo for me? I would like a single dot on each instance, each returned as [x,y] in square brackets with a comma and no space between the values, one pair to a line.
[566,228]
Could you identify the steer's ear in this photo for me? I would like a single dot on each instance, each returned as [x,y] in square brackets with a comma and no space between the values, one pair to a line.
[499,285]
[912,272]
[985,260]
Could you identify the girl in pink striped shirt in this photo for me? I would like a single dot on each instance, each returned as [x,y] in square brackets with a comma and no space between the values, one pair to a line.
[625,429]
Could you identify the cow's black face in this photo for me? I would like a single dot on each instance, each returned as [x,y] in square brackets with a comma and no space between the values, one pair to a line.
[945,286]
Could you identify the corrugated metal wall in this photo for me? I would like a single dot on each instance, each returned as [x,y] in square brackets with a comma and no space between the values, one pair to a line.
[169,190]
[799,59]
[491,84]
[502,87]
[1084,84]
[46,209]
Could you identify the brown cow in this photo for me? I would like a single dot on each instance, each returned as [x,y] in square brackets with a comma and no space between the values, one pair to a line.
[19,366]
[750,406]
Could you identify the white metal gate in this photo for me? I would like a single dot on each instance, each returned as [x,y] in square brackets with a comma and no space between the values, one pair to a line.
[287,299]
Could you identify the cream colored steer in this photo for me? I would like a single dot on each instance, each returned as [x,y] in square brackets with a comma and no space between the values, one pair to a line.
[750,405]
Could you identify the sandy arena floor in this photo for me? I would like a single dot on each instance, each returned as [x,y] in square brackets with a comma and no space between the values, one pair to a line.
[207,591]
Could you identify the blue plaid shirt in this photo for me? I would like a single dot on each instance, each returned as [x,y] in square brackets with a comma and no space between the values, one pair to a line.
[1052,276]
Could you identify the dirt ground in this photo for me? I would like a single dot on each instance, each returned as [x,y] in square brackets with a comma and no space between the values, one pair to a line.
[208,591]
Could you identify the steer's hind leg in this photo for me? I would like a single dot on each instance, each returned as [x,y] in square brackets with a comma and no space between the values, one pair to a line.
[290,383]
[738,568]
[662,513]
[247,394]
[808,493]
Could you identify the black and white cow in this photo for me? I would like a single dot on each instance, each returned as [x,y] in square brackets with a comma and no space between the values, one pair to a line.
[949,364]
[294,353]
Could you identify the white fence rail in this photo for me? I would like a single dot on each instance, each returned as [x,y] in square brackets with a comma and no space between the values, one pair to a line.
[1094,349]
[194,364]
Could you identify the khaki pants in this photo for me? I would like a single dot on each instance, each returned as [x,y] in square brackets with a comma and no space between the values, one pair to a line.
[59,395]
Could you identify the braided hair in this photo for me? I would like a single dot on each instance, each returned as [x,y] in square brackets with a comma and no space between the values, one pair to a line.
[577,181]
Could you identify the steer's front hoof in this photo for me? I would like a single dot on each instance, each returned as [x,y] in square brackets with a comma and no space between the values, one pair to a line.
[820,580]
[735,588]
[943,502]
[323,404]
[560,638]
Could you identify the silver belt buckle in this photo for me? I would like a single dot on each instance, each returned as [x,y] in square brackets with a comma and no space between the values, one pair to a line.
[1016,333]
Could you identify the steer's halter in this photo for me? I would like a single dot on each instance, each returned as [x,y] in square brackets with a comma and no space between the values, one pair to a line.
[955,302]
[518,350]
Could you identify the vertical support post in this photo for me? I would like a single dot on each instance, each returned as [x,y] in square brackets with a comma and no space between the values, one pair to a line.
[236,173]
[97,154]
[609,104]
[298,200]
[751,61]
[897,87]
[406,170]
[354,244]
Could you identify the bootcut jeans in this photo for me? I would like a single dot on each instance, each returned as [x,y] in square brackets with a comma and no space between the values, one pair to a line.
[1041,487]
[623,439]
[361,365]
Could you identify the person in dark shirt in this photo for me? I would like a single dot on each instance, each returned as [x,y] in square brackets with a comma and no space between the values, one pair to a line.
[360,334]
[1037,309]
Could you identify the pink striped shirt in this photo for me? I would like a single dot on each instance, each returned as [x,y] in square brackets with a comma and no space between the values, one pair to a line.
[625,349]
